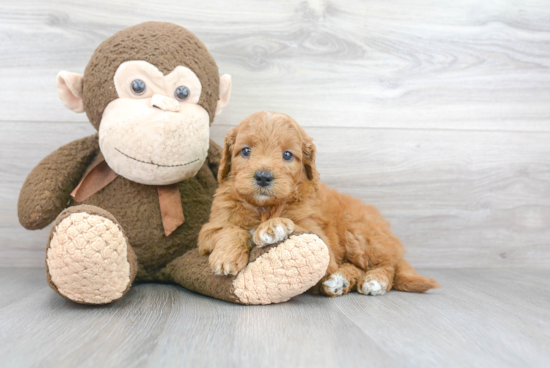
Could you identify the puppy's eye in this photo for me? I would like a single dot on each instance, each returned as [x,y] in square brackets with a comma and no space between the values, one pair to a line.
[181,93]
[245,152]
[287,156]
[139,87]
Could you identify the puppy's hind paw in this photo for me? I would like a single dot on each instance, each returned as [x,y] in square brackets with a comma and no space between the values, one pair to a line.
[335,285]
[372,287]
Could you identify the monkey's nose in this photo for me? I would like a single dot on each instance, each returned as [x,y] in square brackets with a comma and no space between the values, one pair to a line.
[165,103]
[263,178]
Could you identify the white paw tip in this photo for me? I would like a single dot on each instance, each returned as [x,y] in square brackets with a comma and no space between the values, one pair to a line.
[372,287]
[266,238]
[336,284]
[280,232]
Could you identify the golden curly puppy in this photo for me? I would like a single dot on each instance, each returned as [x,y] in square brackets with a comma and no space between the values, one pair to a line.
[269,188]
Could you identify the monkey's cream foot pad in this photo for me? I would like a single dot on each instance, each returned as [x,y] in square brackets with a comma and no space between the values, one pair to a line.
[287,270]
[87,259]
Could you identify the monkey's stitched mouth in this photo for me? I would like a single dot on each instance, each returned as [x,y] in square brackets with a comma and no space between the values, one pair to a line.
[152,163]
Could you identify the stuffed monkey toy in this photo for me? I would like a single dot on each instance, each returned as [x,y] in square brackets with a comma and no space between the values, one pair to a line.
[129,201]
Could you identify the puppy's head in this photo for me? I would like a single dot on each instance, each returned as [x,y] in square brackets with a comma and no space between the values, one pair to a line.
[268,159]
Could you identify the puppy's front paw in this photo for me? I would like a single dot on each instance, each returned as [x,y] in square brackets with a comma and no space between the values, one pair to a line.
[273,231]
[228,258]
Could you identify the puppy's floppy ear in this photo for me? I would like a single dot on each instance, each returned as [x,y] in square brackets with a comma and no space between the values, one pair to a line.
[309,152]
[225,162]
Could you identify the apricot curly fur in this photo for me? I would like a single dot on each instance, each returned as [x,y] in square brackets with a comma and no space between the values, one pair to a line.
[361,245]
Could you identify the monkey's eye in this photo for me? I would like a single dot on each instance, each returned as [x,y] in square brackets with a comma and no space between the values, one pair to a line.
[139,87]
[245,152]
[287,156]
[181,93]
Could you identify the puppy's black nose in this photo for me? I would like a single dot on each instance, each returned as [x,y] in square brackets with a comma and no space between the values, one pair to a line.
[263,178]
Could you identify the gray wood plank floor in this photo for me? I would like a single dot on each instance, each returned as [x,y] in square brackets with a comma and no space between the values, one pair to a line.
[480,318]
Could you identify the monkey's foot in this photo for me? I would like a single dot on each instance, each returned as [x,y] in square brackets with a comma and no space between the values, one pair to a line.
[88,258]
[286,270]
[274,273]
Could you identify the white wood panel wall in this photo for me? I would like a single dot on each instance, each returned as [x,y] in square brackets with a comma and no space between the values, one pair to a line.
[435,111]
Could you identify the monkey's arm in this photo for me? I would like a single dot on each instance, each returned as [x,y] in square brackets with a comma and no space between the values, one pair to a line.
[47,190]
[214,157]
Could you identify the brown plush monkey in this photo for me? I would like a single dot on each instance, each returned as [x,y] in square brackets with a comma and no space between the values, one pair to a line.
[129,201]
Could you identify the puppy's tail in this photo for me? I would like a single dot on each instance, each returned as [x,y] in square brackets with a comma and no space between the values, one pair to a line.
[406,279]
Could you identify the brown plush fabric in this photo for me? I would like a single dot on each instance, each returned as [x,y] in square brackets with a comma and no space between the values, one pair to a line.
[132,259]
[193,272]
[47,189]
[136,206]
[164,45]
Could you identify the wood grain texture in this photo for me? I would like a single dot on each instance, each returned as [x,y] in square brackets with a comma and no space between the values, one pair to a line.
[455,198]
[435,111]
[481,318]
[422,64]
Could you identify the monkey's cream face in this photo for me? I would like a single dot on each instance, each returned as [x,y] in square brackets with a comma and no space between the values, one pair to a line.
[155,133]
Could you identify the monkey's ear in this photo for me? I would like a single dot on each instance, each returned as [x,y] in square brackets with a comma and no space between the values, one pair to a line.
[225,162]
[225,92]
[69,90]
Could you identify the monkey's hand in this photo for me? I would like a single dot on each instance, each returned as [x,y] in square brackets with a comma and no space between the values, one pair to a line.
[47,190]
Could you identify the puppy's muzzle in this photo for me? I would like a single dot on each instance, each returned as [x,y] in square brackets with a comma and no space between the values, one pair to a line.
[263,178]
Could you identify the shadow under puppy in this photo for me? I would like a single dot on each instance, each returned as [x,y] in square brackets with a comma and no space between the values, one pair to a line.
[269,188]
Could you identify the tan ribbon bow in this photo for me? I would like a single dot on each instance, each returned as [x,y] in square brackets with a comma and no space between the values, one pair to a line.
[102,175]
